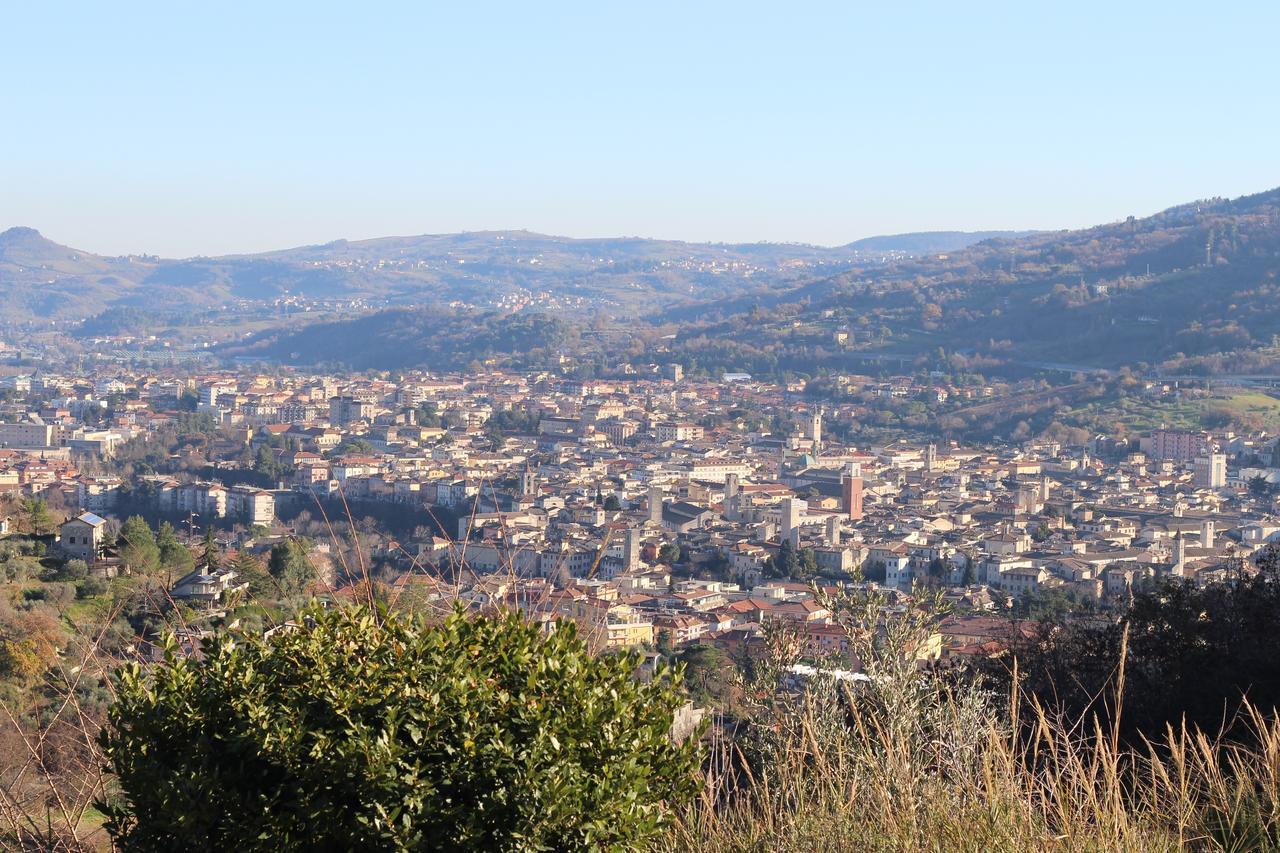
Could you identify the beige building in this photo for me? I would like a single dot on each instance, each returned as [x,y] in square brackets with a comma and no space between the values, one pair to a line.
[81,538]
[679,432]
[1209,471]
[29,435]
[250,505]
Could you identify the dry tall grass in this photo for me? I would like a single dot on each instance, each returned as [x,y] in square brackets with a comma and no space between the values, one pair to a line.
[825,768]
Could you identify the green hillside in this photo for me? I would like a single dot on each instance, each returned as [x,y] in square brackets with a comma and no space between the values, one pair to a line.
[1192,289]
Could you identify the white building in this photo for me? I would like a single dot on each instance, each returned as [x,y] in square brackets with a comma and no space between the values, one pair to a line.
[1209,471]
[250,505]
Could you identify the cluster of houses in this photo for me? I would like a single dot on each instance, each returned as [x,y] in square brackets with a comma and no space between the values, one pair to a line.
[659,507]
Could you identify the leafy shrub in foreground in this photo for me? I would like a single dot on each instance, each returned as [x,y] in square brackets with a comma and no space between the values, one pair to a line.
[372,732]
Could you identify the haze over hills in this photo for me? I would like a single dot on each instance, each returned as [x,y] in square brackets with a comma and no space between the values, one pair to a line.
[498,269]
[927,242]
[1193,288]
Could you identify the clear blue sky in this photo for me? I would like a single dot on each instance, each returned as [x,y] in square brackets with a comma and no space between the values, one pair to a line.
[182,128]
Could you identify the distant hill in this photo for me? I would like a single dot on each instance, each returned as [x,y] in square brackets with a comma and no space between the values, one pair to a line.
[40,278]
[930,242]
[502,270]
[1191,289]
[28,246]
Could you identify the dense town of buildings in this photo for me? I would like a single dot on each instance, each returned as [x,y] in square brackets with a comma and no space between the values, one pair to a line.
[651,509]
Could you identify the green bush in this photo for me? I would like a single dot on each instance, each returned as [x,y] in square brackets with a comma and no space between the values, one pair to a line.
[91,587]
[72,570]
[18,569]
[374,732]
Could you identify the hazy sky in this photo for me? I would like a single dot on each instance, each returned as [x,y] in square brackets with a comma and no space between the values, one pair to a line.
[181,128]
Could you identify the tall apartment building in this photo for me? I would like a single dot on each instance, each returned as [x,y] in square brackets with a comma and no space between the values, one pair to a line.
[618,430]
[97,494]
[1178,445]
[298,413]
[1209,471]
[213,500]
[209,393]
[344,410]
[204,499]
[250,505]
[262,412]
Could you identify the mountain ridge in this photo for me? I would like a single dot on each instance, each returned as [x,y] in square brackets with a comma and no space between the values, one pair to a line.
[1192,288]
[925,240]
[490,269]
[1195,287]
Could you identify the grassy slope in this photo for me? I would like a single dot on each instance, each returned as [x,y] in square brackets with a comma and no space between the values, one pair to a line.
[1139,415]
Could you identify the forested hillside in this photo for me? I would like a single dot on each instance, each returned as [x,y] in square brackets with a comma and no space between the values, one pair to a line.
[442,337]
[1193,288]
[1190,289]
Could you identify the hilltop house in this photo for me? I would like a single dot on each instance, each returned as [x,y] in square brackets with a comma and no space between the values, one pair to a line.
[82,537]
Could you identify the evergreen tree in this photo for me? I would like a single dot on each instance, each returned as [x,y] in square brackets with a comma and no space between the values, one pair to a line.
[808,564]
[669,553]
[801,564]
[784,563]
[290,565]
[1260,487]
[268,464]
[138,545]
[250,570]
[39,519]
[174,556]
[210,556]
[663,644]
